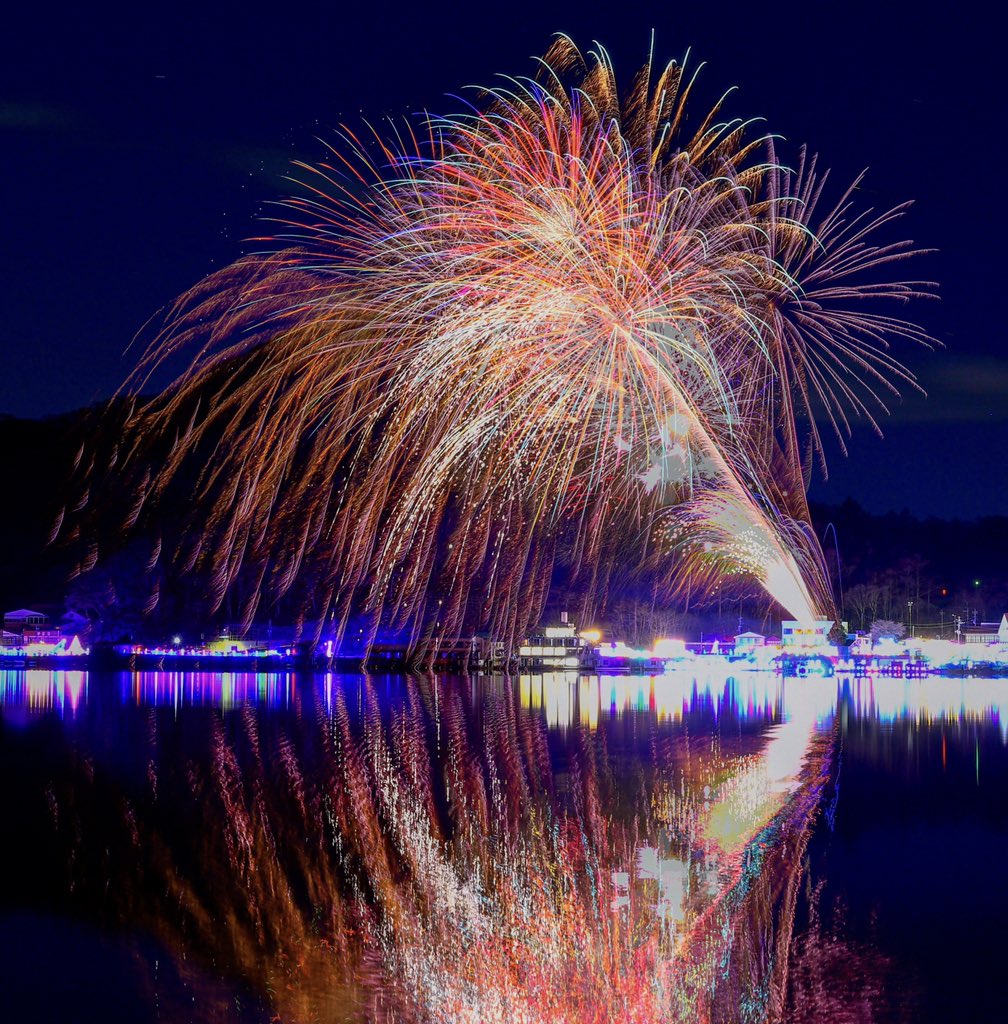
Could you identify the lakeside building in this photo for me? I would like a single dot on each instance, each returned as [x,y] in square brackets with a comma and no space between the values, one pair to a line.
[618,658]
[21,618]
[987,632]
[554,647]
[804,636]
[23,627]
[29,633]
[747,641]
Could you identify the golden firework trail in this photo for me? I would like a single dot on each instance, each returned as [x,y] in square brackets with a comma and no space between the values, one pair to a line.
[559,321]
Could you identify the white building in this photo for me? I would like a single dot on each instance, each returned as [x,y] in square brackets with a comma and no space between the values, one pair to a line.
[987,632]
[553,647]
[805,636]
[747,641]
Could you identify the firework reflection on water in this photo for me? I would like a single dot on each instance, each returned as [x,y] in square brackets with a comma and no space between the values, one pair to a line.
[614,893]
[405,849]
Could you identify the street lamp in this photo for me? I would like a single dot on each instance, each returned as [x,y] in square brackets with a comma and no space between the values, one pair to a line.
[910,617]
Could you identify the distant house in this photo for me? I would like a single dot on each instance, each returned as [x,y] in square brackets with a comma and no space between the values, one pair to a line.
[30,632]
[24,618]
[748,640]
[26,628]
[561,646]
[987,632]
[29,627]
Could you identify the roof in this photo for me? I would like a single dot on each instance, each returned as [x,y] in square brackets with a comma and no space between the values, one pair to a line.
[749,634]
[24,613]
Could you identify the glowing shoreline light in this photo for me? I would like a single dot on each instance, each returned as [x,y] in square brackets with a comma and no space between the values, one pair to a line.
[65,647]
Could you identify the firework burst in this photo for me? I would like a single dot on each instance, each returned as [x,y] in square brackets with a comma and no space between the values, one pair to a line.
[559,318]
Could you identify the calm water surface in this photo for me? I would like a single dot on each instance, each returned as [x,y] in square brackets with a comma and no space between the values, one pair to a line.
[238,847]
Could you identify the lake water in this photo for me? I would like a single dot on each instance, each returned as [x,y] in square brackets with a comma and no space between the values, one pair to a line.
[239,847]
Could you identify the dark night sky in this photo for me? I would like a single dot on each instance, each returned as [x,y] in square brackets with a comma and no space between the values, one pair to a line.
[140,143]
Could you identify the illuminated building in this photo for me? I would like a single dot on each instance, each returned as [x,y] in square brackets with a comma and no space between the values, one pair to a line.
[747,641]
[987,632]
[29,633]
[25,626]
[805,635]
[554,647]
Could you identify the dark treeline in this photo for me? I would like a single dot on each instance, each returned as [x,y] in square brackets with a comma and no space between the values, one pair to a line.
[38,457]
[947,569]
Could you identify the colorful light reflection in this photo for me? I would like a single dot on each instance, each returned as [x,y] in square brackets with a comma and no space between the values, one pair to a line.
[43,690]
[65,692]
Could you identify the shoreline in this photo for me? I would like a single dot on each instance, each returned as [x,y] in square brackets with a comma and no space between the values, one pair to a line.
[789,666]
